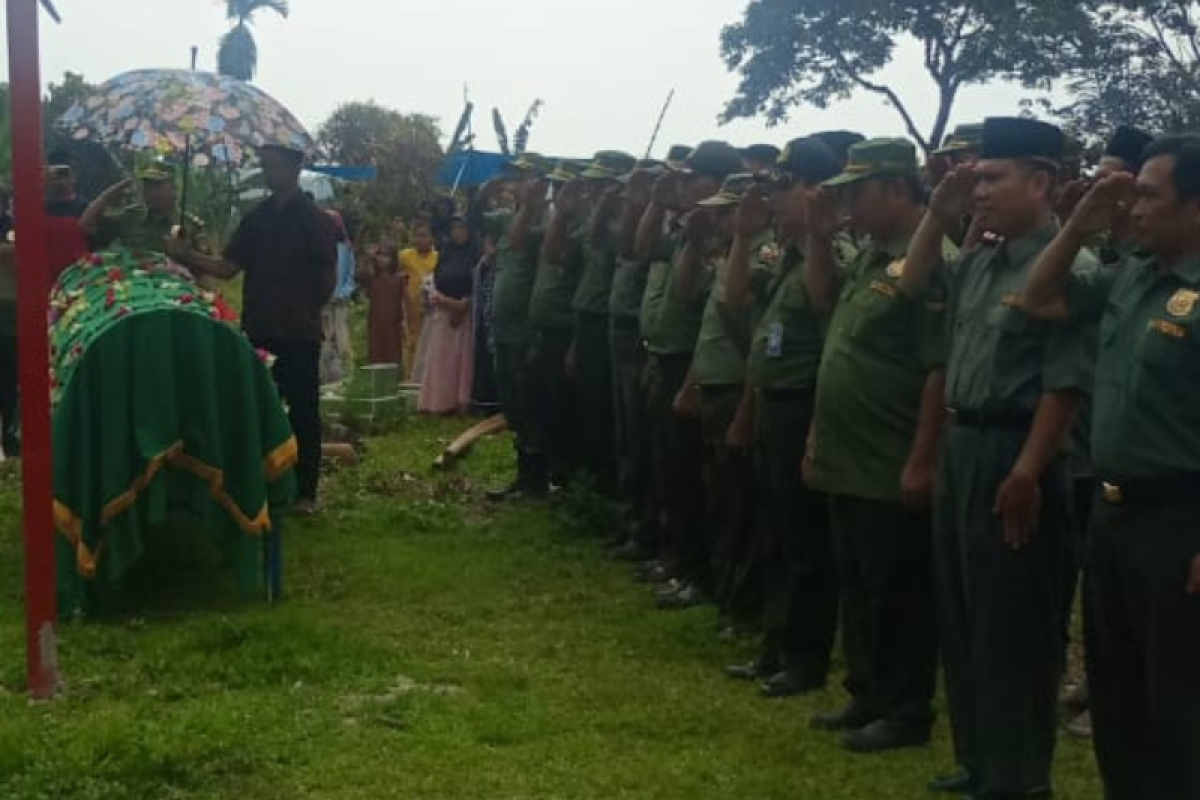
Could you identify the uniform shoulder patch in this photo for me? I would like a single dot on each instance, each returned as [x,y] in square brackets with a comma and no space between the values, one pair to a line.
[896,269]
[1182,303]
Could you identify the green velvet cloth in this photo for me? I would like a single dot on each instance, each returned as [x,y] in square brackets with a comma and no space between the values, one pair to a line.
[161,409]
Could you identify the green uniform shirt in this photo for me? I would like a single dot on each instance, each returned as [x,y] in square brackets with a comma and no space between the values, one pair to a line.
[628,288]
[1146,412]
[678,324]
[1002,361]
[723,341]
[786,350]
[137,228]
[554,289]
[515,275]
[595,284]
[880,348]
[652,298]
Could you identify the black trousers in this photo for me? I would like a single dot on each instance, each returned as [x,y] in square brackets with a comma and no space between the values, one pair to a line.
[1143,649]
[598,449]
[888,631]
[553,411]
[731,508]
[631,427]
[796,547]
[681,467]
[9,427]
[1001,612]
[296,373]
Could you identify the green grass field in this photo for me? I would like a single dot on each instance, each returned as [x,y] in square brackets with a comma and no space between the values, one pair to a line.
[430,647]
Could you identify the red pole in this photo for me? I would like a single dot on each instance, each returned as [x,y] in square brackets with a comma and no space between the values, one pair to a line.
[25,89]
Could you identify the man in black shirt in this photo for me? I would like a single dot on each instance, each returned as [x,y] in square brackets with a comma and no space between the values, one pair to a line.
[285,248]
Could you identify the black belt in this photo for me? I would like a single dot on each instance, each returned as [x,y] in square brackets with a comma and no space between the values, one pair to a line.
[970,418]
[1120,492]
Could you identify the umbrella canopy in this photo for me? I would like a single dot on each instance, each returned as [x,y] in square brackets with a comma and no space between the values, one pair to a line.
[155,111]
[471,168]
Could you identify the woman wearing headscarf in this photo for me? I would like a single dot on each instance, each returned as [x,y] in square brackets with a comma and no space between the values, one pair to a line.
[448,372]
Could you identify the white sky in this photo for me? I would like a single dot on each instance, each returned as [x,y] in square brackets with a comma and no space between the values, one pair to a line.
[603,67]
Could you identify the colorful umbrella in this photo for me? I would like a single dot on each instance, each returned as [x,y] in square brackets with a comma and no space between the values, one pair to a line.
[156,110]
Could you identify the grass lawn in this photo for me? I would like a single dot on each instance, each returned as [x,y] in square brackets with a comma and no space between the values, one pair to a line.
[430,647]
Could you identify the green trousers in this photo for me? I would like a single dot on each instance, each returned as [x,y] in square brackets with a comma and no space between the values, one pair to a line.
[1143,648]
[1001,612]
[729,495]
[679,464]
[631,430]
[514,378]
[795,552]
[597,435]
[888,628]
[553,411]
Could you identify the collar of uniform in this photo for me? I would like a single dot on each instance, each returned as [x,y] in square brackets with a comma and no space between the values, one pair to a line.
[1021,251]
[893,248]
[1190,270]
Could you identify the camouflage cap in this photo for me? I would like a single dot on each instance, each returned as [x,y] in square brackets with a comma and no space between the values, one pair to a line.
[609,164]
[966,138]
[564,171]
[878,158]
[529,163]
[677,157]
[732,191]
[156,172]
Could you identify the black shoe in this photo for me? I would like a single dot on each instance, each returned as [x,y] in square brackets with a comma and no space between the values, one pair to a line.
[1044,793]
[757,669]
[852,717]
[959,782]
[687,597]
[883,735]
[787,684]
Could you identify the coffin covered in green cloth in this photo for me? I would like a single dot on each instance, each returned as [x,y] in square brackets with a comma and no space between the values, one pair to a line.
[161,409]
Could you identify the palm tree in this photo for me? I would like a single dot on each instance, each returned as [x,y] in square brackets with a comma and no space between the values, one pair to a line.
[238,55]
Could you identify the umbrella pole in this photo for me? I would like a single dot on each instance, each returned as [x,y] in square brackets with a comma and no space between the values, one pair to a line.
[32,257]
[187,165]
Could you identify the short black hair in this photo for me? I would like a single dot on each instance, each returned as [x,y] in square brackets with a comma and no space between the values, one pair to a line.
[1186,172]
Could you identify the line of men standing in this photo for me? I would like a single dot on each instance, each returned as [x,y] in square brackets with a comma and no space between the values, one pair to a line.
[825,396]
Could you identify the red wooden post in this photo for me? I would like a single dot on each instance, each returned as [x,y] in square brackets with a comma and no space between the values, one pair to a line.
[32,299]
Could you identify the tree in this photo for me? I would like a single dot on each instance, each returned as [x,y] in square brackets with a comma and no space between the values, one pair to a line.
[811,52]
[238,53]
[404,148]
[1145,70]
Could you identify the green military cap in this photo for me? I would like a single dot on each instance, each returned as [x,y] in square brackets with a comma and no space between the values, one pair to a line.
[715,159]
[529,163]
[564,171]
[840,141]
[732,191]
[967,138]
[878,158]
[677,157]
[609,164]
[156,172]
[1022,138]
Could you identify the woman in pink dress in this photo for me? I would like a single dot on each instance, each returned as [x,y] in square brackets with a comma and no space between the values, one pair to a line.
[449,368]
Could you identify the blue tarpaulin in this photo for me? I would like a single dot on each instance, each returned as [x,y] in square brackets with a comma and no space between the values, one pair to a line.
[346,173]
[471,168]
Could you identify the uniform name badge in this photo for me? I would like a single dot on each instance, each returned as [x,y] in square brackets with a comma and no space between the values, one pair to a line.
[775,340]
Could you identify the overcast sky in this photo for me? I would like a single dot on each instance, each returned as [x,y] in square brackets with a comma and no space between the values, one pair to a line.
[603,67]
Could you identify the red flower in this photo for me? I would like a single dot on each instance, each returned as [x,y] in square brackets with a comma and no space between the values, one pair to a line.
[186,299]
[115,274]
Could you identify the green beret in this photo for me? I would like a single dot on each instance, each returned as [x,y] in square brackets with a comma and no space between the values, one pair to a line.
[878,158]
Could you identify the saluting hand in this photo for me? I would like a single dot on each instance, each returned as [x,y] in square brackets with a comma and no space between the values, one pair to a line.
[1108,197]
[699,226]
[533,192]
[641,184]
[955,194]
[754,213]
[823,217]
[571,199]
[666,190]
[1019,504]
